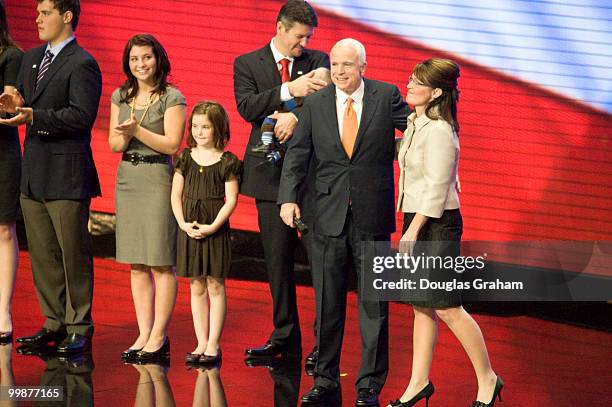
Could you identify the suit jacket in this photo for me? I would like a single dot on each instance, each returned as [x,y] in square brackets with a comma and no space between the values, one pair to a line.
[257,85]
[365,181]
[58,161]
[428,160]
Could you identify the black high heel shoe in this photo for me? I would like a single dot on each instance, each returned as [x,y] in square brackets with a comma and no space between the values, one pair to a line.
[426,393]
[499,384]
[161,353]
[129,353]
[6,337]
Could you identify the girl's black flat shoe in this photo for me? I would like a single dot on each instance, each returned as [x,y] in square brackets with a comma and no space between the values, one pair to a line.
[163,352]
[210,360]
[193,357]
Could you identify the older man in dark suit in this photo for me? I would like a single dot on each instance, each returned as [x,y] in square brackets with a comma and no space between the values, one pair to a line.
[61,86]
[263,80]
[349,128]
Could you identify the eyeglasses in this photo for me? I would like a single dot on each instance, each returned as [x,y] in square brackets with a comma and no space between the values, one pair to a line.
[415,81]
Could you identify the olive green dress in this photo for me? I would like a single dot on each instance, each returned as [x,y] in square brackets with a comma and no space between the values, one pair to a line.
[146,228]
[203,197]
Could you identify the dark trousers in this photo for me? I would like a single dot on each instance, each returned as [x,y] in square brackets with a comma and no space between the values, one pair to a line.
[62,261]
[279,243]
[75,379]
[334,257]
[287,376]
[307,243]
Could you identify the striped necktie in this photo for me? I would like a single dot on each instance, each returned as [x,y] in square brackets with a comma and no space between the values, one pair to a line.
[44,67]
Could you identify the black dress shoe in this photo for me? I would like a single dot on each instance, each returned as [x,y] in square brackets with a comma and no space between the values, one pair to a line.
[313,356]
[74,343]
[77,360]
[319,395]
[367,398]
[211,360]
[264,361]
[161,353]
[311,361]
[129,353]
[43,337]
[43,352]
[6,337]
[269,349]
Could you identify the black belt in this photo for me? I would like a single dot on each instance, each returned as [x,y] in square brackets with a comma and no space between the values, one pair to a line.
[136,158]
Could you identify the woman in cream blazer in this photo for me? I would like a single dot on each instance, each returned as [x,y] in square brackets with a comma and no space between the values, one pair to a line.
[428,160]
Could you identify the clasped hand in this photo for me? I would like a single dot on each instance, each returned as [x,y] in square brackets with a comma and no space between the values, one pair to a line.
[197,230]
[12,102]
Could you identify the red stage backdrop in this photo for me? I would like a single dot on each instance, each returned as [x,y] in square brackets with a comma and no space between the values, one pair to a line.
[534,164]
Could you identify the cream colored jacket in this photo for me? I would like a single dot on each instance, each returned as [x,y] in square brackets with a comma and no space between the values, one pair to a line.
[428,160]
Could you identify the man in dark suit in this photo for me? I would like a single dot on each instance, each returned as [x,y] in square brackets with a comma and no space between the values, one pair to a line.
[263,80]
[61,86]
[350,130]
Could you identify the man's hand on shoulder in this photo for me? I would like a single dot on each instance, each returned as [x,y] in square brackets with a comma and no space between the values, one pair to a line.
[305,85]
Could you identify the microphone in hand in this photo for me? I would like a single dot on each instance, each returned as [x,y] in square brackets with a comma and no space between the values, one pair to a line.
[301,226]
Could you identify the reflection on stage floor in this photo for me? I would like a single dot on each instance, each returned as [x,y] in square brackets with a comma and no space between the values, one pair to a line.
[543,363]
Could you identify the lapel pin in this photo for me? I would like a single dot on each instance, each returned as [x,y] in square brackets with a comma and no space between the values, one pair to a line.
[34,66]
[300,72]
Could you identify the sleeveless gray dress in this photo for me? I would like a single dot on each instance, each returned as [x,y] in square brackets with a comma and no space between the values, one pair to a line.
[146,229]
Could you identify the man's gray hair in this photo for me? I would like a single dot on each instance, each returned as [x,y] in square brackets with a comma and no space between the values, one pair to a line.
[356,45]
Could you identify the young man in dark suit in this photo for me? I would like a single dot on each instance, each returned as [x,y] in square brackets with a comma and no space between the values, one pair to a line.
[61,85]
[263,80]
[349,129]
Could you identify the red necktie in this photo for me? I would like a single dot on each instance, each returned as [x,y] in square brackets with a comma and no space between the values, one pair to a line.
[284,71]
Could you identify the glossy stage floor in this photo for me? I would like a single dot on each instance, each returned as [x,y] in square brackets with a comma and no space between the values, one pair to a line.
[543,363]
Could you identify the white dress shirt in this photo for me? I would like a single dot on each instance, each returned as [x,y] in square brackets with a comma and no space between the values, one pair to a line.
[58,47]
[284,95]
[341,98]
